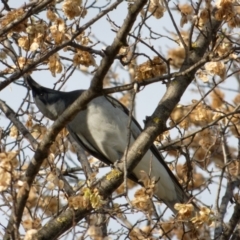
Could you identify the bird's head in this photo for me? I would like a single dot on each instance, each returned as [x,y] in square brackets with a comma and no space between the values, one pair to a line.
[50,102]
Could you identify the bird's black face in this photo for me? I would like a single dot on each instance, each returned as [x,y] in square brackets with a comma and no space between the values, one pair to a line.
[47,100]
[40,94]
[45,95]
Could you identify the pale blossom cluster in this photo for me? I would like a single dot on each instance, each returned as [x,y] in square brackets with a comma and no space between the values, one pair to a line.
[143,197]
[72,9]
[13,16]
[8,164]
[86,199]
[156,7]
[151,68]
[228,10]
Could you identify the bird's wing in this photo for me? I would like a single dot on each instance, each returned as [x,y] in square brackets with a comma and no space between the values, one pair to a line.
[88,146]
[136,130]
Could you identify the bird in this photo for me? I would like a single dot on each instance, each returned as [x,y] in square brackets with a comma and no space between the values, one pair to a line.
[102,130]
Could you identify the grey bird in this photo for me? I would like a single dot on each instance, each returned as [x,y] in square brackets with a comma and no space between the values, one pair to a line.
[101,129]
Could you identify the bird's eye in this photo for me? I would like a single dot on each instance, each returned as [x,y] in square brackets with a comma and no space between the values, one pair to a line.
[43,96]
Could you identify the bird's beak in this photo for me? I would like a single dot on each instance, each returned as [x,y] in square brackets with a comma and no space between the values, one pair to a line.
[31,83]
